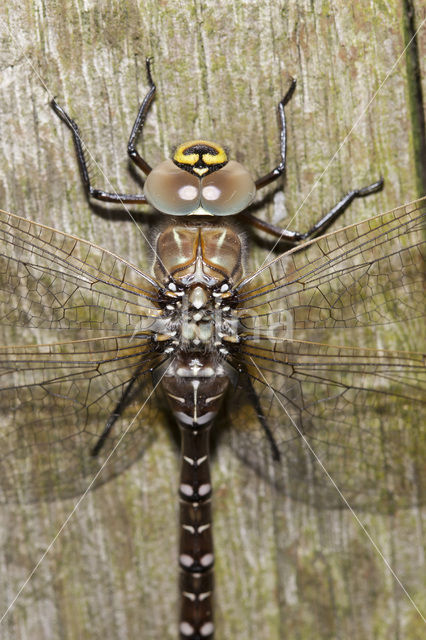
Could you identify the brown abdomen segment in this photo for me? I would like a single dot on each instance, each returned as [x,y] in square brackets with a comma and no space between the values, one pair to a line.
[195,402]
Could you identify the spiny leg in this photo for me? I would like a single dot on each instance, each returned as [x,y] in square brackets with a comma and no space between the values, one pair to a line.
[254,398]
[275,173]
[139,123]
[114,416]
[295,237]
[99,194]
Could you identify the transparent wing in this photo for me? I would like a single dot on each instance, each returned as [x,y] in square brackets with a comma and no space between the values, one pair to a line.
[87,316]
[51,280]
[366,274]
[331,346]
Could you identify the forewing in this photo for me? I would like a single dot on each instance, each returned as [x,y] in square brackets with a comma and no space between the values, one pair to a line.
[52,280]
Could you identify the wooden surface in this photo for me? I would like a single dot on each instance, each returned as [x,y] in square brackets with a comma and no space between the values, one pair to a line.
[220,69]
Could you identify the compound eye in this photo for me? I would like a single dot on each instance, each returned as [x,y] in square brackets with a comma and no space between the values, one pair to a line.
[228,190]
[172,190]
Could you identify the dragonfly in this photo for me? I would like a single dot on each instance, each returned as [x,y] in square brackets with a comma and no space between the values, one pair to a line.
[286,355]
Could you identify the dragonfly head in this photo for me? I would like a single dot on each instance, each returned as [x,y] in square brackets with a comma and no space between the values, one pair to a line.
[199,180]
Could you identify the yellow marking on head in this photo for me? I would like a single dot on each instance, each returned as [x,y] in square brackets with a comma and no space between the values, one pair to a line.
[191,158]
[221,156]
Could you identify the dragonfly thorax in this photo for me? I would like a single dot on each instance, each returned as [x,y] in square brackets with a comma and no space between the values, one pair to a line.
[198,254]
[199,321]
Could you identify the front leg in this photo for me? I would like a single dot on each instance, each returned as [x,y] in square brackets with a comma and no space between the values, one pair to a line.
[279,169]
[295,237]
[139,123]
[91,192]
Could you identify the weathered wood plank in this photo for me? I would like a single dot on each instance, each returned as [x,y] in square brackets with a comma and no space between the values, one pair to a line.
[220,69]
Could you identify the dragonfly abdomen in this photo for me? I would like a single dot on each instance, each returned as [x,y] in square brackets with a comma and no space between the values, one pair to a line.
[195,389]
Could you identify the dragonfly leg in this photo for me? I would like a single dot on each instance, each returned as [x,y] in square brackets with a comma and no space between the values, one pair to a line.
[260,415]
[139,123]
[295,237]
[91,192]
[118,410]
[279,169]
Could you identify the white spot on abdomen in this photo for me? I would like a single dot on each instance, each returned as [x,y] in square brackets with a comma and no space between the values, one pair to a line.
[207,560]
[204,489]
[186,629]
[203,527]
[207,629]
[188,528]
[186,489]
[186,560]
